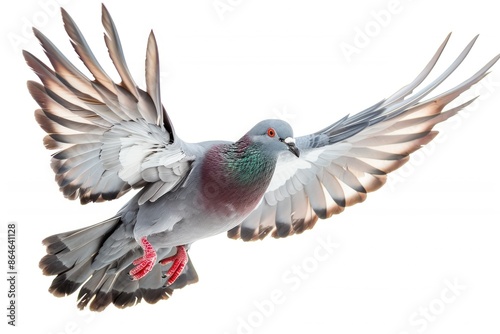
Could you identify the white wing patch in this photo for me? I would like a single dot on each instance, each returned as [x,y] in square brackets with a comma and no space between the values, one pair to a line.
[138,152]
[292,173]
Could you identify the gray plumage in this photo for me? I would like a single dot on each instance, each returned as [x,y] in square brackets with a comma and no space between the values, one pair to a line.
[112,137]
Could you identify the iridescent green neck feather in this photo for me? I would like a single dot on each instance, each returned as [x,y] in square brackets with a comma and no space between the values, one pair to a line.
[236,176]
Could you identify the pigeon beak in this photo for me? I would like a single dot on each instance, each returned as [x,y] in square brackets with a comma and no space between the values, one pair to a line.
[290,142]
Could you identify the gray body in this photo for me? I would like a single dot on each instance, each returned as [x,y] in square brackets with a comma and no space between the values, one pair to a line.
[176,218]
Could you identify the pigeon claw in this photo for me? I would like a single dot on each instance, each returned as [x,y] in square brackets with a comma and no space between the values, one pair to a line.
[179,261]
[144,264]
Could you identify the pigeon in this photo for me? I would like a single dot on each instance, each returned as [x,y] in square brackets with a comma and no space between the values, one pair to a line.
[112,137]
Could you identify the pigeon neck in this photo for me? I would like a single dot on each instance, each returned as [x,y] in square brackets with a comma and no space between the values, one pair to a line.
[236,176]
[247,162]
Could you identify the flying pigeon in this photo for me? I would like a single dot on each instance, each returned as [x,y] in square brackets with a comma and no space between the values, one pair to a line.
[112,137]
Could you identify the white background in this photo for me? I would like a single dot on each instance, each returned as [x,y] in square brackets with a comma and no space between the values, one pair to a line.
[436,221]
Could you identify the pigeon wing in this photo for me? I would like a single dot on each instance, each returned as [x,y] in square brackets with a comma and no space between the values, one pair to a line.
[110,137]
[340,164]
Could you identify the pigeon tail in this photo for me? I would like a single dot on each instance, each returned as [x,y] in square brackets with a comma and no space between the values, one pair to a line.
[70,256]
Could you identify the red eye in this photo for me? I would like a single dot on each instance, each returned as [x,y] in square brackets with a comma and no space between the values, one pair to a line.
[271,132]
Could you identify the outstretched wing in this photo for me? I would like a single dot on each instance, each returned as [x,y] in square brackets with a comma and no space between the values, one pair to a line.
[340,164]
[109,136]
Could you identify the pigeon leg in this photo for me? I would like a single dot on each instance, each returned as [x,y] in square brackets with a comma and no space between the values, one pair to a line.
[144,264]
[179,262]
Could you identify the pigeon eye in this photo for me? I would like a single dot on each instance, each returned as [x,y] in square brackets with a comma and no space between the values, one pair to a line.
[271,132]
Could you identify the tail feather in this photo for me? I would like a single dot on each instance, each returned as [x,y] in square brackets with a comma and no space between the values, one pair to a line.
[62,262]
[67,283]
[119,289]
[68,241]
[126,292]
[79,260]
[152,288]
[117,247]
[66,250]
[91,287]
[102,296]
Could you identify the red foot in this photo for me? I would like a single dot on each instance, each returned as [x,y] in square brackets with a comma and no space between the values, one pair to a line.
[144,264]
[179,262]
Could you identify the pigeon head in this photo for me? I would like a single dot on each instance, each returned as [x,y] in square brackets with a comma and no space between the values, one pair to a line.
[276,135]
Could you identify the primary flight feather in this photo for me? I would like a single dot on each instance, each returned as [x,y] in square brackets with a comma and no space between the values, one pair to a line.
[111,137]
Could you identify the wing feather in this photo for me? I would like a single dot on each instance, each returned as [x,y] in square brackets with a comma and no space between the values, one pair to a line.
[83,50]
[109,137]
[115,50]
[340,164]
[153,78]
